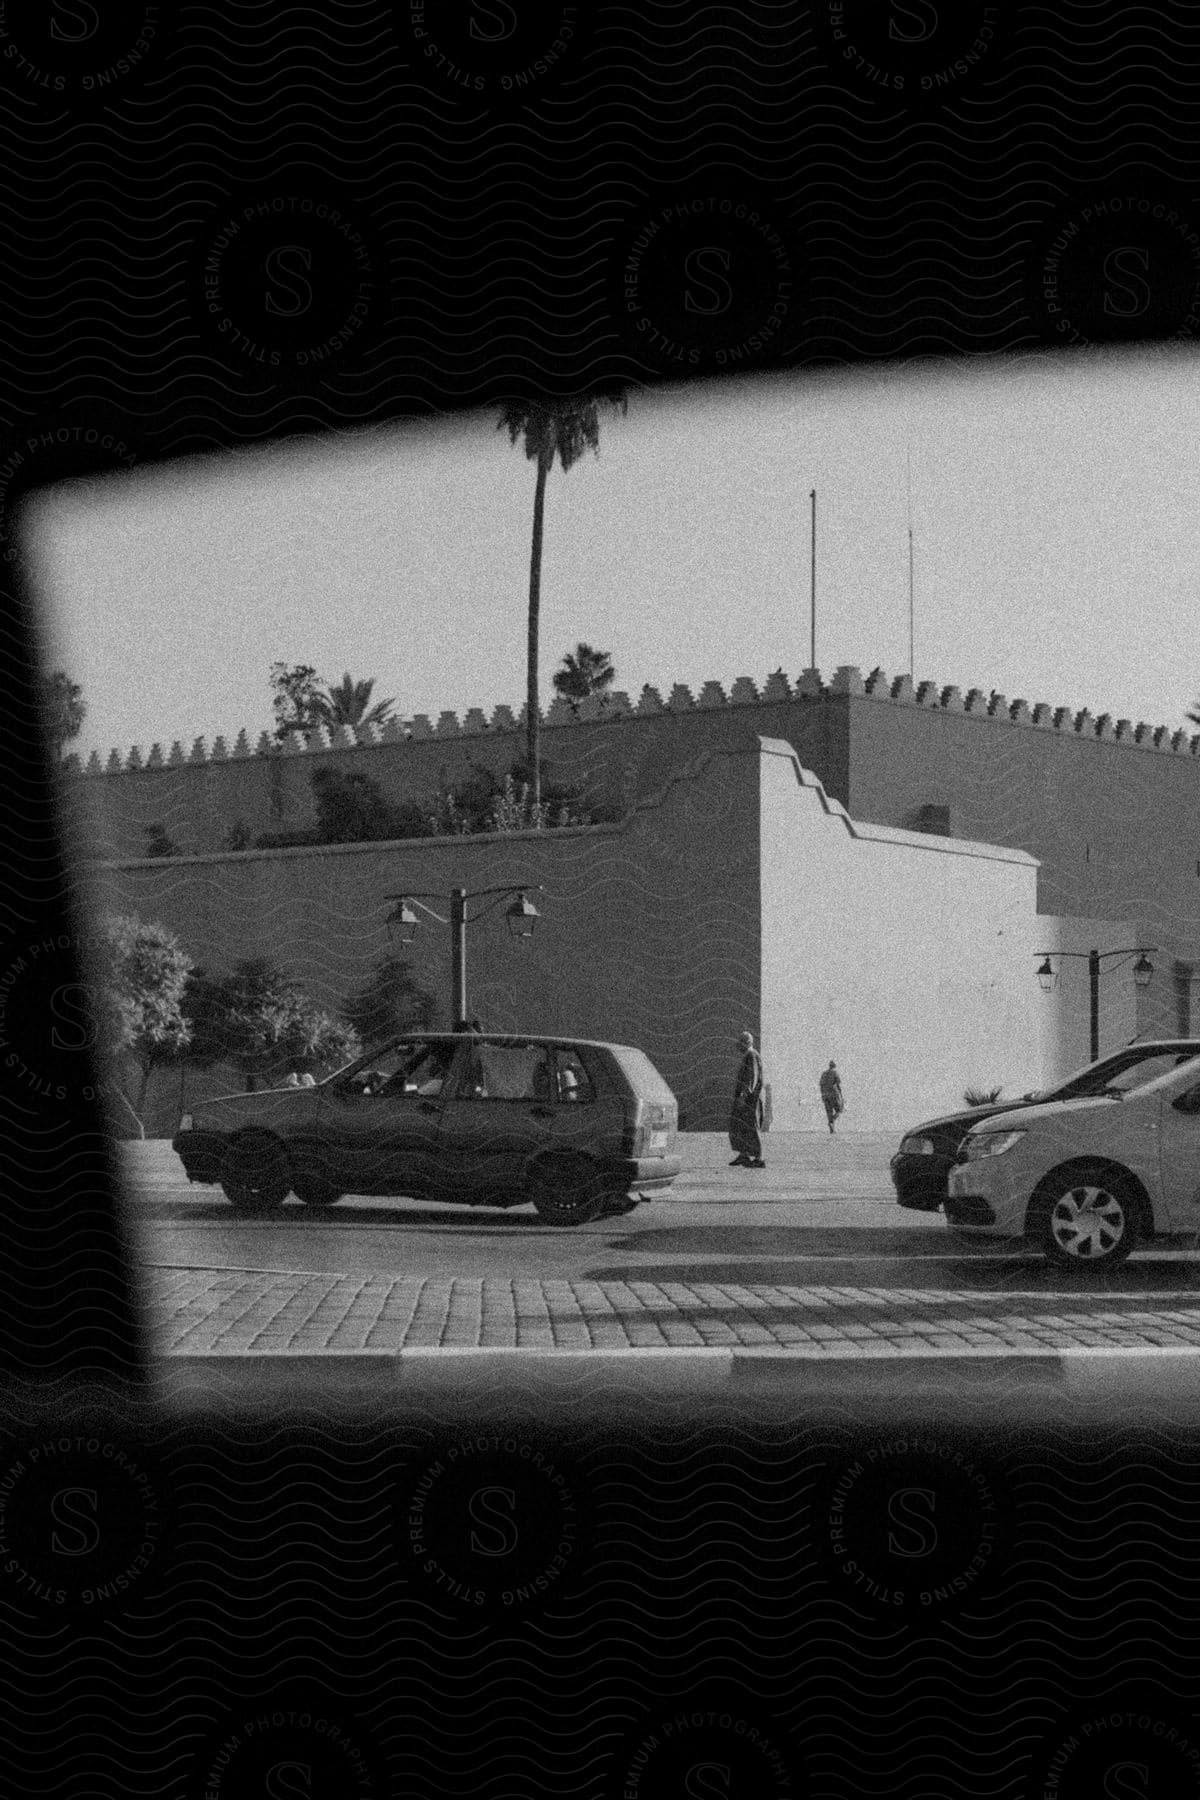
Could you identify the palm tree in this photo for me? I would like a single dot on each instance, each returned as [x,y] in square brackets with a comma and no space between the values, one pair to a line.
[549,427]
[64,709]
[585,671]
[349,703]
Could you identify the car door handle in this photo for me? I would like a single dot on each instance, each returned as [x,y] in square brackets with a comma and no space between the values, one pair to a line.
[541,1112]
[429,1106]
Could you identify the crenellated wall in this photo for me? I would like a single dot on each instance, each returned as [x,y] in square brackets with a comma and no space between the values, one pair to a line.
[1108,807]
[612,707]
[740,896]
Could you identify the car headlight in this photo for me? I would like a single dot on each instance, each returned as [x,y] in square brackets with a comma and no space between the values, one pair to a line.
[991,1143]
[916,1146]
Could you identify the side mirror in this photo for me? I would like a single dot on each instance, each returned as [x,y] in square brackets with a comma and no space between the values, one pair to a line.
[1188,1102]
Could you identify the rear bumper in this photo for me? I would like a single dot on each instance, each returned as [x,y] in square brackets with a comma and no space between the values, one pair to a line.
[200,1153]
[648,1174]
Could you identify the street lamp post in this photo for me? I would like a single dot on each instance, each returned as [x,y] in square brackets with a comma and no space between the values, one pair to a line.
[1143,969]
[522,917]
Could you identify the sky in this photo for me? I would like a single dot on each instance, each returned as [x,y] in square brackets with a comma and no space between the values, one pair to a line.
[1055,508]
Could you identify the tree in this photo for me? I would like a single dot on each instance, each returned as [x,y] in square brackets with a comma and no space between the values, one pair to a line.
[390,1000]
[261,1021]
[203,1007]
[143,976]
[315,1042]
[350,704]
[301,704]
[298,702]
[585,671]
[548,427]
[253,1008]
[63,709]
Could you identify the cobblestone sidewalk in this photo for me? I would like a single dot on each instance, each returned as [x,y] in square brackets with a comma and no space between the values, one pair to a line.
[215,1312]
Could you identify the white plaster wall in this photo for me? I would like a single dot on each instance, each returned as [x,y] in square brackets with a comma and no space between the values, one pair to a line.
[907,958]
[1124,1011]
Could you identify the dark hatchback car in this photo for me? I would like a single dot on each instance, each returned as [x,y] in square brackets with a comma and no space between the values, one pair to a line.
[574,1126]
[921,1166]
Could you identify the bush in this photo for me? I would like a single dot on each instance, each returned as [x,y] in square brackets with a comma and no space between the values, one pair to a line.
[981,1096]
[158,843]
[485,802]
[352,809]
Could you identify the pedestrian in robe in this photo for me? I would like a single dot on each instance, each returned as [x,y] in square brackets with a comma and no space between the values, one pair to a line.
[746,1114]
[832,1098]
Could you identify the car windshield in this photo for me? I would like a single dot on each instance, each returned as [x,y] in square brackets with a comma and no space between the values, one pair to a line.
[1117,1076]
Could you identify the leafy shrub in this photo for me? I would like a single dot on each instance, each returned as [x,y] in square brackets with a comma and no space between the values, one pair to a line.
[485,802]
[352,809]
[158,843]
[981,1096]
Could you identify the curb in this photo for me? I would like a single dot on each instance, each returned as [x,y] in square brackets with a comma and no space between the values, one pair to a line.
[710,1359]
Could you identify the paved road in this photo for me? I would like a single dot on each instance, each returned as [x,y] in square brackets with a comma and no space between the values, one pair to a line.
[810,1256]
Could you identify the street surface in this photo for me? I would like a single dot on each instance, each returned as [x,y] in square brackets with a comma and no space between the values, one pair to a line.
[810,1256]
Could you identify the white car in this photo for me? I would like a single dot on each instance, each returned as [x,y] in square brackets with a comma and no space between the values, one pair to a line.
[1086,1181]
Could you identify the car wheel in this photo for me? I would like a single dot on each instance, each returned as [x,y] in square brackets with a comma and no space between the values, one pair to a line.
[310,1181]
[1085,1218]
[256,1174]
[314,1190]
[567,1190]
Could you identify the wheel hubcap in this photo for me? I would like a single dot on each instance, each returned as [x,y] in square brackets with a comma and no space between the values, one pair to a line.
[1087,1223]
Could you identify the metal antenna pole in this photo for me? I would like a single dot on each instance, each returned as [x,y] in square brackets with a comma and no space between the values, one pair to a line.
[812,651]
[910,570]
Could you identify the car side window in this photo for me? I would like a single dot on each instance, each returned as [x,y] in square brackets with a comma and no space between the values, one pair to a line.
[573,1081]
[408,1070]
[508,1072]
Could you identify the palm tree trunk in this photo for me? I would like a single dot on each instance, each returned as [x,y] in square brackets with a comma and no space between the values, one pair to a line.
[533,726]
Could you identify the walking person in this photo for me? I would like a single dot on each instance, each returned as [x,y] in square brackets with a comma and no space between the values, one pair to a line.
[746,1114]
[832,1097]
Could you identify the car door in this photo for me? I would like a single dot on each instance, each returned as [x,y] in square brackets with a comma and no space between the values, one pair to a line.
[381,1124]
[1179,1157]
[502,1109]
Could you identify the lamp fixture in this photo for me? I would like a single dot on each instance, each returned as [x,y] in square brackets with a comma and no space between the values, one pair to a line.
[522,916]
[406,921]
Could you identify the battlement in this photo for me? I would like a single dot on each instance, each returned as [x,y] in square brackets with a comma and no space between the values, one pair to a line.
[809,687]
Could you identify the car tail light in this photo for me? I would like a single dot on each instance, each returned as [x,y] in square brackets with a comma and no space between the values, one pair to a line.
[185,1122]
[652,1132]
